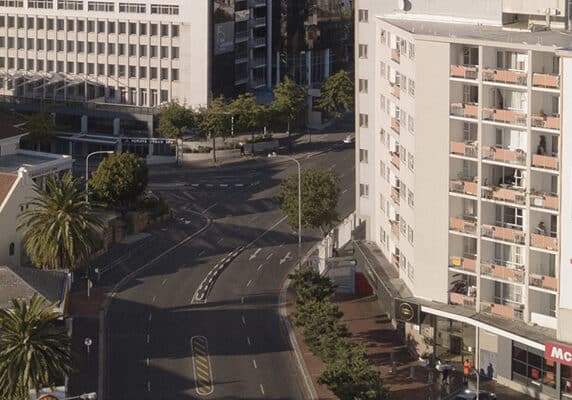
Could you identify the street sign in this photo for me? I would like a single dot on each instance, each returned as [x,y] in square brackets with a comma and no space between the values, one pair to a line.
[142,140]
[88,342]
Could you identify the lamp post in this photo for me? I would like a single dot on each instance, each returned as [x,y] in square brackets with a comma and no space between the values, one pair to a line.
[274,155]
[87,169]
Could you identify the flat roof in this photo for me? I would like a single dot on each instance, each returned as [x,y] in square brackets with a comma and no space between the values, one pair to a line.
[13,162]
[548,40]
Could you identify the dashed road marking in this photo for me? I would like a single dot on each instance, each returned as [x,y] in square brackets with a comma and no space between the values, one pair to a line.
[269,256]
[242,300]
[147,361]
[218,241]
[202,366]
[202,252]
[254,364]
[344,191]
[150,316]
[248,341]
[209,207]
[249,283]
[148,338]
[148,386]
[253,255]
[262,389]
[154,298]
[243,320]
[259,267]
[164,281]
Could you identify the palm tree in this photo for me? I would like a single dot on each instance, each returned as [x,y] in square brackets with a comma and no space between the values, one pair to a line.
[35,352]
[60,229]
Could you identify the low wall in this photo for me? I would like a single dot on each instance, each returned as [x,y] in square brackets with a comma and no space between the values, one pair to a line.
[220,155]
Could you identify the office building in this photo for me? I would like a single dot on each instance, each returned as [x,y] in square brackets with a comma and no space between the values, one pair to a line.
[463,168]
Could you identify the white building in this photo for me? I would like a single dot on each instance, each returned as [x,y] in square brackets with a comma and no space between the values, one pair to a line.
[463,175]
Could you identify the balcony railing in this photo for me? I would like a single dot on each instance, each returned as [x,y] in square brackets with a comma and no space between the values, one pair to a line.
[510,195]
[505,76]
[545,121]
[463,186]
[545,242]
[545,200]
[466,110]
[395,159]
[465,224]
[493,269]
[463,263]
[462,299]
[394,228]
[547,162]
[395,195]
[517,156]
[464,71]
[505,116]
[502,310]
[503,233]
[395,125]
[396,91]
[543,281]
[395,55]
[546,81]
[464,149]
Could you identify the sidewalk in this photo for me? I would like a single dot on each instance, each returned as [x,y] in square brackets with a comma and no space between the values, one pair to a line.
[370,327]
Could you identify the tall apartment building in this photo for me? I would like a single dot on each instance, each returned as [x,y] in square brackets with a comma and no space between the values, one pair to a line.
[464,178]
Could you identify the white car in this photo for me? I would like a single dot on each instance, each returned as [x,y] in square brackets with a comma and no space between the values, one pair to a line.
[349,139]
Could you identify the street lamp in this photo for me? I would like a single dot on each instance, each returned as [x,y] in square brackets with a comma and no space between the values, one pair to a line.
[274,155]
[84,396]
[87,169]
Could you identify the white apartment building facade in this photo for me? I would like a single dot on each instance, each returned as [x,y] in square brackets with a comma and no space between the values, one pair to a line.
[463,176]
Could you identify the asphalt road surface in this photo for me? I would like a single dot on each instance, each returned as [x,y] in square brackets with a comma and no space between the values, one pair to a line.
[160,345]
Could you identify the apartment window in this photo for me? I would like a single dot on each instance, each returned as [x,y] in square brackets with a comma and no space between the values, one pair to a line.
[50,44]
[80,68]
[60,24]
[142,72]
[382,169]
[410,198]
[31,22]
[164,96]
[111,27]
[382,202]
[132,72]
[70,25]
[175,30]
[111,48]
[411,162]
[402,154]
[142,29]
[12,22]
[90,68]
[100,48]
[410,271]
[164,52]
[11,64]
[70,45]
[363,85]
[40,44]
[363,156]
[411,124]
[90,47]
[362,51]
[80,47]
[101,6]
[382,235]
[364,190]
[412,51]
[410,234]
[59,45]
[80,26]
[21,63]
[164,30]
[122,28]
[132,28]
[111,70]
[382,101]
[153,73]
[363,120]
[402,190]
[174,74]
[412,87]
[40,4]
[132,50]
[90,26]
[70,5]
[134,8]
[154,29]
[153,51]
[164,74]
[142,50]
[20,43]
[174,52]
[165,9]
[403,48]
[402,226]
[100,69]
[402,261]
[121,71]
[382,70]
[402,81]
[60,66]
[101,26]
[383,37]
[363,15]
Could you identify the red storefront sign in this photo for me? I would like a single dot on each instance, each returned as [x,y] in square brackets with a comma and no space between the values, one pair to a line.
[558,352]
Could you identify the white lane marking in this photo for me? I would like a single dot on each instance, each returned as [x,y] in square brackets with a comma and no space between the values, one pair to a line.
[249,283]
[332,166]
[342,175]
[265,232]
[259,267]
[345,190]
[242,300]
[243,320]
[154,298]
[269,256]
[150,316]
[253,255]
[254,364]
[223,185]
[286,258]
[148,338]
[253,218]
[248,341]
[202,252]
[209,207]
[147,361]
[148,386]
[262,389]
[218,241]
[282,244]
[164,281]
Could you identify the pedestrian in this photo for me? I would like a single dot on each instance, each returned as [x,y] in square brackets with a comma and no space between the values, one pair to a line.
[445,374]
[466,371]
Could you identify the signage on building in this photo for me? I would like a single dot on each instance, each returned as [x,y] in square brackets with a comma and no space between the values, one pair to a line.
[406,311]
[223,38]
[146,141]
[558,352]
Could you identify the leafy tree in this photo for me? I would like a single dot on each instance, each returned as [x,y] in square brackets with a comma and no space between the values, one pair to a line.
[247,113]
[174,120]
[59,228]
[215,121]
[311,286]
[337,94]
[312,311]
[289,100]
[119,180]
[35,350]
[350,376]
[40,129]
[320,195]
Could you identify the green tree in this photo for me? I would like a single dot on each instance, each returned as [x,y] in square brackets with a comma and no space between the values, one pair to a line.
[40,129]
[311,286]
[320,195]
[59,227]
[247,113]
[35,350]
[119,181]
[174,120]
[289,100]
[337,94]
[214,120]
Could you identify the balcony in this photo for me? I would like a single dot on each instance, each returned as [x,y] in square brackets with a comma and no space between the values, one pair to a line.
[257,22]
[505,76]
[495,269]
[395,195]
[547,81]
[545,121]
[258,62]
[395,159]
[466,110]
[506,234]
[543,241]
[257,42]
[394,228]
[395,124]
[512,312]
[546,162]
[462,299]
[506,194]
[467,149]
[464,71]
[463,263]
[504,116]
[463,186]
[544,200]
[517,157]
[395,55]
[396,91]
[256,3]
[466,224]
[543,281]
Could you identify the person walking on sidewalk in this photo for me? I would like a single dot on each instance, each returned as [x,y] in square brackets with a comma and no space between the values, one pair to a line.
[466,371]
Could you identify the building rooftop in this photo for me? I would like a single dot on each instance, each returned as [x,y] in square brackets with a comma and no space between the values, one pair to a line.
[13,162]
[6,183]
[35,162]
[10,125]
[501,36]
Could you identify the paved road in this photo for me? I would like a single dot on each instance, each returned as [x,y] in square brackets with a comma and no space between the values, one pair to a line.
[239,348]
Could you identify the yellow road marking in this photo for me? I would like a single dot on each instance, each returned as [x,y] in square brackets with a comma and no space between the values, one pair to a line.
[201,366]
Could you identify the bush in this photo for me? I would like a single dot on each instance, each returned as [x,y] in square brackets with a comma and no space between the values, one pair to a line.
[200,149]
[261,138]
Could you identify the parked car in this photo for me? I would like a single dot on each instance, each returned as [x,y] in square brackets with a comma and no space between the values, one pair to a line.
[470,394]
[349,139]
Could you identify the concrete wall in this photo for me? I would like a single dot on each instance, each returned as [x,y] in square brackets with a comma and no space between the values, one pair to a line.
[9,222]
[533,6]
[476,11]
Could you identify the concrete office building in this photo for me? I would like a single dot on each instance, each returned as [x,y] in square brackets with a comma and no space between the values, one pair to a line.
[463,175]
